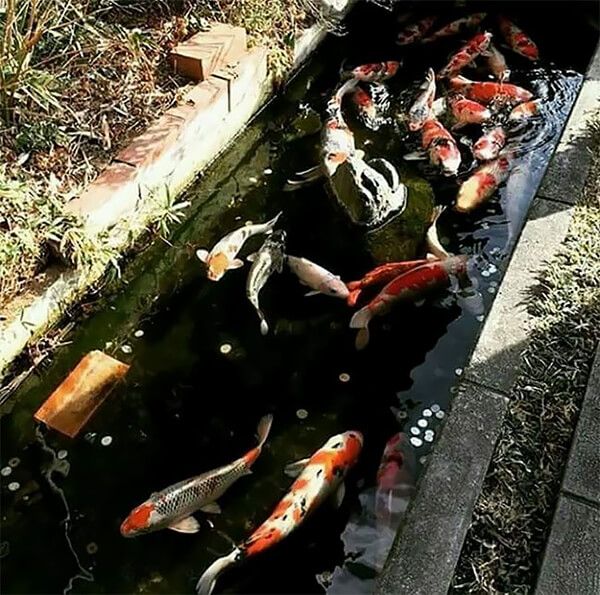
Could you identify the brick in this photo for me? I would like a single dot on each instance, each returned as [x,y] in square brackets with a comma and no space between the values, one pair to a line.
[207,51]
[152,144]
[209,96]
[113,194]
[76,399]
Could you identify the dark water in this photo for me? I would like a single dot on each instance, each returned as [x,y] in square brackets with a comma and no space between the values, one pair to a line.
[186,407]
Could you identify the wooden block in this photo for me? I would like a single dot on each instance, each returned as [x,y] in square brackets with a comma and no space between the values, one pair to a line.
[72,404]
[205,52]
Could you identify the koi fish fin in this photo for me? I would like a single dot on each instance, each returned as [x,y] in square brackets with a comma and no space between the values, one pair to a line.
[187,525]
[263,429]
[419,303]
[294,469]
[362,339]
[236,263]
[312,292]
[359,154]
[438,107]
[361,320]
[302,178]
[202,254]
[251,257]
[437,211]
[431,257]
[271,224]
[415,156]
[211,508]
[206,583]
[338,496]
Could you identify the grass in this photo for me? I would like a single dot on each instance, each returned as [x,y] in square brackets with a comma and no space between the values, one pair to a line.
[78,80]
[512,518]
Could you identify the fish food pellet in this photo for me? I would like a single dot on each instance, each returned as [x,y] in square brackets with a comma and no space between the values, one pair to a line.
[302,414]
[422,423]
[440,414]
[414,430]
[106,440]
[62,454]
[458,371]
[126,348]
[138,333]
[428,437]
[268,171]
[225,348]
[427,412]
[14,462]
[5,471]
[344,377]
[435,408]
[416,441]
[91,548]
[13,486]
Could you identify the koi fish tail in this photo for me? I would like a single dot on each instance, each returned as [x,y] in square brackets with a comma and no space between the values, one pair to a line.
[271,224]
[206,583]
[361,320]
[263,429]
[302,178]
[353,295]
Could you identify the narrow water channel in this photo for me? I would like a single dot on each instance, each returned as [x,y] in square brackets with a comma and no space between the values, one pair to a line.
[202,375]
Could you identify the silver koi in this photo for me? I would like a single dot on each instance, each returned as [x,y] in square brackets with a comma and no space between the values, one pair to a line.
[320,280]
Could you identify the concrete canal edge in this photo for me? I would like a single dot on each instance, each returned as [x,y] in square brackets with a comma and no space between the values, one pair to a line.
[161,163]
[429,542]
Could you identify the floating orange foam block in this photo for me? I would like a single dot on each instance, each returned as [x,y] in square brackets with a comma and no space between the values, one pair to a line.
[76,399]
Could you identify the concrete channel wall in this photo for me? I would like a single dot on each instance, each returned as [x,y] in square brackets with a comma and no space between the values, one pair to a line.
[430,540]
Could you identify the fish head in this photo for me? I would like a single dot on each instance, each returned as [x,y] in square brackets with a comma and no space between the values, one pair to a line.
[217,266]
[397,463]
[448,156]
[335,287]
[332,160]
[353,443]
[140,520]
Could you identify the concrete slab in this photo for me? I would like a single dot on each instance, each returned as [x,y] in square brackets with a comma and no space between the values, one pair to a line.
[428,545]
[497,355]
[572,563]
[582,476]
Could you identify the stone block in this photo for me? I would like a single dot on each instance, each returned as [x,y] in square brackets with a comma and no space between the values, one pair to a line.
[571,562]
[203,53]
[207,100]
[428,545]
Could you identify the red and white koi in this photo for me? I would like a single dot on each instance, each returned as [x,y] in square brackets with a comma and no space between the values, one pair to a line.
[441,146]
[174,506]
[420,110]
[456,27]
[407,287]
[524,111]
[320,280]
[320,476]
[481,185]
[375,72]
[379,276]
[475,47]
[365,105]
[518,40]
[415,31]
[223,255]
[466,111]
[434,246]
[497,63]
[489,144]
[486,92]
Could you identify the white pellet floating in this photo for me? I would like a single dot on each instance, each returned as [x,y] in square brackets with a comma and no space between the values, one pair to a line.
[302,414]
[225,348]
[106,440]
[416,441]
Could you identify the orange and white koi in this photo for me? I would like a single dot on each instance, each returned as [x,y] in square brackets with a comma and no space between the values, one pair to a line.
[466,111]
[486,92]
[375,72]
[380,275]
[434,246]
[489,144]
[524,111]
[174,506]
[420,110]
[415,31]
[475,47]
[497,63]
[518,40]
[456,27]
[441,146]
[481,185]
[320,476]
[223,255]
[408,286]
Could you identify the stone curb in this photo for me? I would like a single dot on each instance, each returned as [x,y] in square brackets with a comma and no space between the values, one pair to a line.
[429,542]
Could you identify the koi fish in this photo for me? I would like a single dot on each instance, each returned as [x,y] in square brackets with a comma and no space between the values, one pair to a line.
[320,476]
[518,41]
[407,286]
[223,256]
[433,242]
[415,31]
[477,46]
[466,111]
[320,280]
[380,275]
[265,262]
[174,506]
[481,185]
[456,27]
[375,72]
[440,145]
[365,106]
[488,91]
[524,111]
[497,63]
[489,145]
[420,111]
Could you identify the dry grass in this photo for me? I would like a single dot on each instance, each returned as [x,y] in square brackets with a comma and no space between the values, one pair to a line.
[512,518]
[78,80]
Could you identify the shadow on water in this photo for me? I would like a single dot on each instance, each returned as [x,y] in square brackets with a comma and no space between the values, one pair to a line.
[187,407]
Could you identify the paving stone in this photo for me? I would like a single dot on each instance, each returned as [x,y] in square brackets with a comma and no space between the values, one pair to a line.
[428,545]
[497,354]
[207,51]
[571,562]
[582,476]
[113,194]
